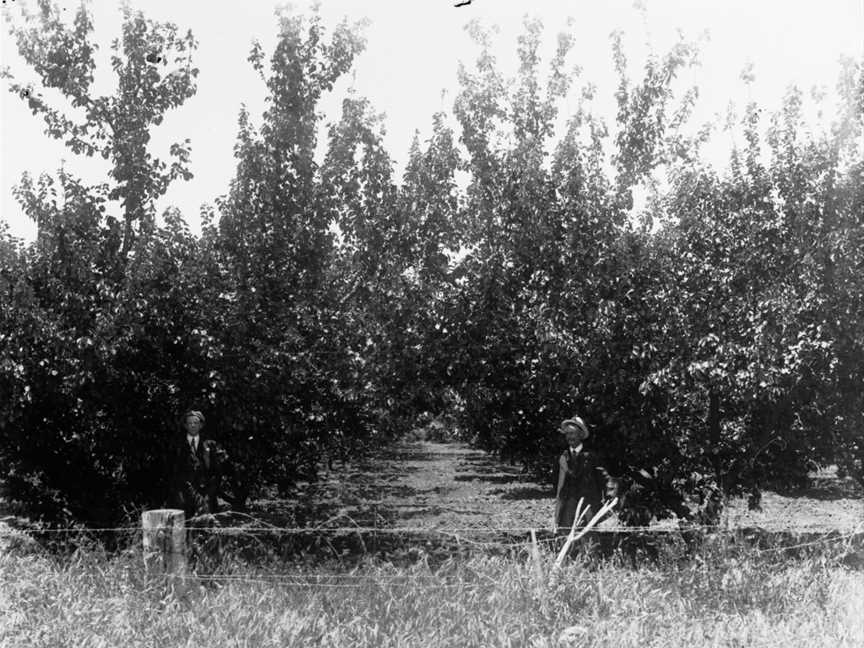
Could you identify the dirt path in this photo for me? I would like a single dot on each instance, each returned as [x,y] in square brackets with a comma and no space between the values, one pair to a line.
[455,486]
[419,485]
[450,486]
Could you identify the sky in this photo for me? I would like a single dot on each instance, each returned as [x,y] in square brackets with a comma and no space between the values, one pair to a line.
[409,69]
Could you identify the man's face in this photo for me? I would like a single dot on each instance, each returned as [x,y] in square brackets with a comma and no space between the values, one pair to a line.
[573,434]
[193,425]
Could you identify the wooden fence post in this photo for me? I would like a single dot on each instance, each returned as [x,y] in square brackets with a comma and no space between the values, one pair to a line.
[165,546]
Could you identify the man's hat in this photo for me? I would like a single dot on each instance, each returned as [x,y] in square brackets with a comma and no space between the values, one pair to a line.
[197,414]
[577,423]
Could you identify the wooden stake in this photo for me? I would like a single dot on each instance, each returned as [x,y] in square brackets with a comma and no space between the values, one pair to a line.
[165,546]
[539,581]
[535,560]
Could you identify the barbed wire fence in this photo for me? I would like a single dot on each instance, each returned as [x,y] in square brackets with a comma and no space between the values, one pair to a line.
[209,523]
[512,540]
[502,538]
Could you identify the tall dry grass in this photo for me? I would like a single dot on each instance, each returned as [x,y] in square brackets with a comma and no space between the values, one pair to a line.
[722,597]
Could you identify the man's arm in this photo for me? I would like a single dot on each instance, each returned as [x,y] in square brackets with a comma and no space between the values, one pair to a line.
[559,503]
[214,456]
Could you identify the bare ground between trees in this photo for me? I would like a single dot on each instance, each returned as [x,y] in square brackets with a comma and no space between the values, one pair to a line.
[452,487]
[450,495]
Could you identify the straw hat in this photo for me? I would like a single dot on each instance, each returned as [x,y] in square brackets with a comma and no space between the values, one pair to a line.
[577,423]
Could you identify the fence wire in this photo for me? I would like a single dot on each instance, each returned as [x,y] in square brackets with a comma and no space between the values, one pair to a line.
[289,530]
[462,535]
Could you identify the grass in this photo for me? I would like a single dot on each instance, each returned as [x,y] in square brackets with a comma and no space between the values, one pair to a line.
[421,590]
[725,596]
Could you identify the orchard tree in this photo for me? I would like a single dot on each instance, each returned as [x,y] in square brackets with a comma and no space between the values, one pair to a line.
[705,351]
[430,201]
[514,237]
[71,434]
[555,271]
[153,66]
[742,366]
[843,259]
[290,388]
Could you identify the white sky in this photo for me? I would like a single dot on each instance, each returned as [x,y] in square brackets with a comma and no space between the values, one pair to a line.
[411,56]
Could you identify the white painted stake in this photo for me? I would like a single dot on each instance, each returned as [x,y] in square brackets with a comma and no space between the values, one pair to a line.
[573,536]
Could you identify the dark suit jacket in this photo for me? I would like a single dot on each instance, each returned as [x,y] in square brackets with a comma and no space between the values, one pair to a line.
[196,470]
[581,476]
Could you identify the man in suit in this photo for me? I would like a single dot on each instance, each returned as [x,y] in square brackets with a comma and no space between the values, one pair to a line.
[195,468]
[580,476]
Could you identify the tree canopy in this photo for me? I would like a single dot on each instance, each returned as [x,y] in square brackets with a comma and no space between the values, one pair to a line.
[712,338]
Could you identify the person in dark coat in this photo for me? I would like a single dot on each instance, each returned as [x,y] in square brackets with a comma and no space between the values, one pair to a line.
[195,474]
[580,475]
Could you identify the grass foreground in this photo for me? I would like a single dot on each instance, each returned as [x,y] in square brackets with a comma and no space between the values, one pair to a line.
[90,599]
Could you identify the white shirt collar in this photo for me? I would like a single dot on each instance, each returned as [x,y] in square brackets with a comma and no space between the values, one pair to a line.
[576,449]
[192,440]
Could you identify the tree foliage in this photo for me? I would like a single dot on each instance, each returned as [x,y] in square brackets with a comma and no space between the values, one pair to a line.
[703,350]
[712,336]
